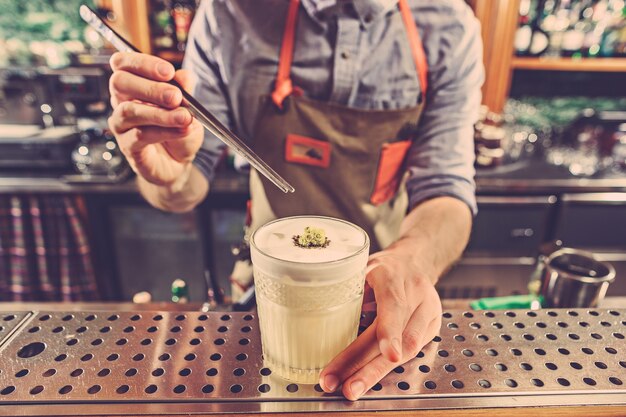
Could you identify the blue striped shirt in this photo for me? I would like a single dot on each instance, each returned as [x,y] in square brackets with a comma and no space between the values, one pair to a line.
[354,53]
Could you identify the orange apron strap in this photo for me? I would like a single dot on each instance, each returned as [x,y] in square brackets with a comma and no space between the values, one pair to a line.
[283,87]
[416,45]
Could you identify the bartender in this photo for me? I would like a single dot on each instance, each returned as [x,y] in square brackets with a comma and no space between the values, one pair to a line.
[366,107]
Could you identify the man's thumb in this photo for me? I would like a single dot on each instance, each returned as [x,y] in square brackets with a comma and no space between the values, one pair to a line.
[186,79]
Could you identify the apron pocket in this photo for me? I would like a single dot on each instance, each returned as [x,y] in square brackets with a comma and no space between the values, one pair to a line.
[388,175]
[307,151]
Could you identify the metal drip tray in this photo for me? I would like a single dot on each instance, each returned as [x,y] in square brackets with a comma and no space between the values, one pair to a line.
[9,322]
[177,363]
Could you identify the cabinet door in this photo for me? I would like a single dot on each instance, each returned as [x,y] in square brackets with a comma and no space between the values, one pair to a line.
[227,230]
[510,225]
[153,248]
[594,221]
[476,277]
[597,222]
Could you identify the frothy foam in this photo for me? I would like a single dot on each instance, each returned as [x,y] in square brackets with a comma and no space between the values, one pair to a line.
[276,240]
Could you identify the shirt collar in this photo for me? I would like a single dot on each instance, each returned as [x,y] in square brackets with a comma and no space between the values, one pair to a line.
[313,7]
[370,10]
[367,10]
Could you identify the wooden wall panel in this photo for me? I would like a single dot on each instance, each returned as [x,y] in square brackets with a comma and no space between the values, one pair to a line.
[133,22]
[499,23]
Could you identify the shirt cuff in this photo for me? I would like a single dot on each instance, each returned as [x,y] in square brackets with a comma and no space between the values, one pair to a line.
[424,189]
[206,161]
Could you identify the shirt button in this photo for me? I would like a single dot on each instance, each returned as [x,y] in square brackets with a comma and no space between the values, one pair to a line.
[345,55]
[368,18]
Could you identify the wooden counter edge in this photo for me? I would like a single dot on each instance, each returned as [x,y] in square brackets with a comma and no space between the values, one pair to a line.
[561,411]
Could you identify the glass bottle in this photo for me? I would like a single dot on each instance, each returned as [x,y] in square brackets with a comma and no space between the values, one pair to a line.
[182,12]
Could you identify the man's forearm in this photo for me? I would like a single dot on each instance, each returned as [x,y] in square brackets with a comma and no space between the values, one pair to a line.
[434,234]
[184,195]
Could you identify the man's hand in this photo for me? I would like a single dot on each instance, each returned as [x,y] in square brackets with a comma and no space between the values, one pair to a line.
[408,317]
[157,136]
[401,281]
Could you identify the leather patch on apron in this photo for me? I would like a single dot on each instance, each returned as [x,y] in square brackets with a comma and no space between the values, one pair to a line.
[307,151]
[389,171]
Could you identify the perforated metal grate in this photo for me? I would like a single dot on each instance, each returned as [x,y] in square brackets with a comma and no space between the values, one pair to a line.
[111,357]
[8,323]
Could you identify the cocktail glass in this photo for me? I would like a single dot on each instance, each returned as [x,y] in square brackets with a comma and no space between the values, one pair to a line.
[308,299]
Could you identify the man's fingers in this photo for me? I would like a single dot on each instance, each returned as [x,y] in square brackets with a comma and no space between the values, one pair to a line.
[186,80]
[354,357]
[153,163]
[148,135]
[424,324]
[143,65]
[126,85]
[365,349]
[129,115]
[366,377]
[419,332]
[391,312]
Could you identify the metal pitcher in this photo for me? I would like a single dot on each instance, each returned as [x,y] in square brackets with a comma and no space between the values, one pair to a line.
[573,278]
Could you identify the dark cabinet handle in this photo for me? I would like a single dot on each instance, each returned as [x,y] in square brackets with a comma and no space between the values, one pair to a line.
[522,233]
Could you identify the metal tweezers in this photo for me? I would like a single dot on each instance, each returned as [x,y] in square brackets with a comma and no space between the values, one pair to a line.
[208,120]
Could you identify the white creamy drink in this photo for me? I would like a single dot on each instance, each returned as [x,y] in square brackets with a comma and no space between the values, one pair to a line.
[308,298]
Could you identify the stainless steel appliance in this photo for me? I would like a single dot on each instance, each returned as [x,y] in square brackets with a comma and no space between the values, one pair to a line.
[39,110]
[47,97]
[31,147]
[501,254]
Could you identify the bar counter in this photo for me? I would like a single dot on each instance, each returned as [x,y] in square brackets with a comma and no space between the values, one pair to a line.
[171,359]
[530,177]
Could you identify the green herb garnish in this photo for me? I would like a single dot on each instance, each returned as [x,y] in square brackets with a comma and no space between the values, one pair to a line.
[313,237]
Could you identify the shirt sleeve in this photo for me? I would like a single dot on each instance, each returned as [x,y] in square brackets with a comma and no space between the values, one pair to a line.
[202,59]
[441,160]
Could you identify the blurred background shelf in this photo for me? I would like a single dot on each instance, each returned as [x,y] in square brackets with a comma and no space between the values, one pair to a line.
[551,146]
[570,64]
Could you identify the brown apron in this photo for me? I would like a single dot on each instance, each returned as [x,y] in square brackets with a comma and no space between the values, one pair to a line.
[343,162]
